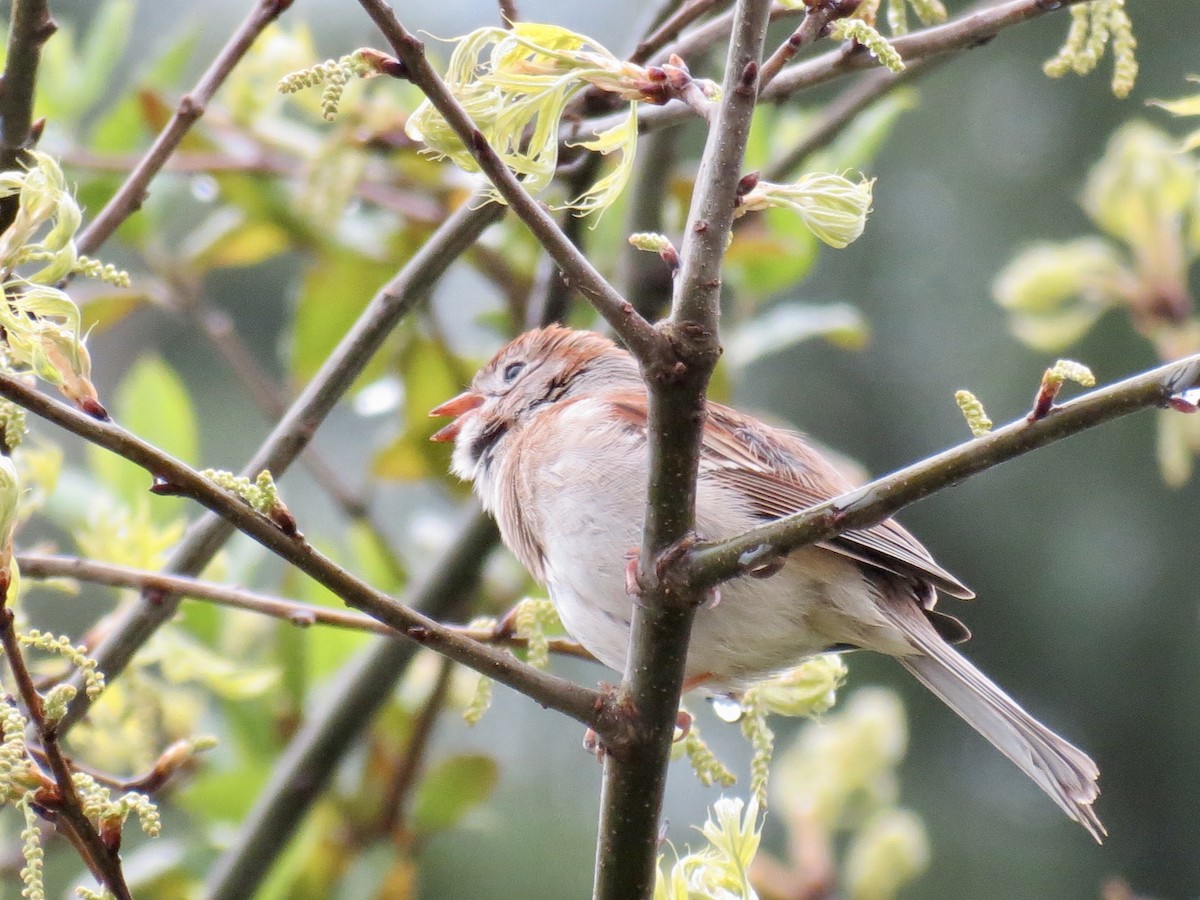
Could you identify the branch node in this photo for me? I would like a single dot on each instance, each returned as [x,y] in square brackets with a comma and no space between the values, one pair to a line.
[190,107]
[749,79]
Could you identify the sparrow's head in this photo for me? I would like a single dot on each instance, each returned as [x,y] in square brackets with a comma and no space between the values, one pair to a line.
[525,378]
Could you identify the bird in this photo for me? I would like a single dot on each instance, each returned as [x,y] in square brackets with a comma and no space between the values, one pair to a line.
[553,435]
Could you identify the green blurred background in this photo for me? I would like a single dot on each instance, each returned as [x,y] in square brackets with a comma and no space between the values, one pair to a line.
[1082,559]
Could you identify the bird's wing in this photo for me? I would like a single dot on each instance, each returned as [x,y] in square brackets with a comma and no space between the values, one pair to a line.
[780,473]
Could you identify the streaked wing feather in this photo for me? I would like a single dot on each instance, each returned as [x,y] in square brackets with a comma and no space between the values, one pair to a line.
[781,475]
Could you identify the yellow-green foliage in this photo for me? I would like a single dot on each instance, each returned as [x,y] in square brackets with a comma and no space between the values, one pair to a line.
[1094,25]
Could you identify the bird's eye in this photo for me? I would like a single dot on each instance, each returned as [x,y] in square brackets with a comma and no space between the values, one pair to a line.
[512,370]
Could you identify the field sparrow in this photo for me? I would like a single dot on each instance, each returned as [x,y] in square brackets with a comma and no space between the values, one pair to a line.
[552,433]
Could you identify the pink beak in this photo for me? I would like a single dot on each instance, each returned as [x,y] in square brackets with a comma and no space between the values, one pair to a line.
[456,406]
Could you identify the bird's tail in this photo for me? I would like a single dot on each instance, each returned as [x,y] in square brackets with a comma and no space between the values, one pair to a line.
[1063,771]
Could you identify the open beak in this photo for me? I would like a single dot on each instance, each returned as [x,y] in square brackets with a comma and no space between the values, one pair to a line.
[456,406]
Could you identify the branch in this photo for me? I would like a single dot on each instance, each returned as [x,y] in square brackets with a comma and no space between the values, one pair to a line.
[302,615]
[30,26]
[816,18]
[294,431]
[637,334]
[964,33]
[645,278]
[174,477]
[128,198]
[105,863]
[635,773]
[708,564]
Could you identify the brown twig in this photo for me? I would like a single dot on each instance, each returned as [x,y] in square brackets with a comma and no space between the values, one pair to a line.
[129,197]
[963,33]
[30,26]
[670,28]
[637,334]
[104,863]
[37,565]
[816,20]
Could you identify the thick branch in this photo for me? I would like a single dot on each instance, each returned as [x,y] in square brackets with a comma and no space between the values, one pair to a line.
[29,27]
[637,334]
[294,431]
[556,693]
[635,775]
[128,198]
[874,502]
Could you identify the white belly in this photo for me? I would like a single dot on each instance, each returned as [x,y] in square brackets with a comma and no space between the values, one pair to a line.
[759,626]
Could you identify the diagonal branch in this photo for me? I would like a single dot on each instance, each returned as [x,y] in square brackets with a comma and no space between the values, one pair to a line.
[874,502]
[637,334]
[128,198]
[635,773]
[297,427]
[174,477]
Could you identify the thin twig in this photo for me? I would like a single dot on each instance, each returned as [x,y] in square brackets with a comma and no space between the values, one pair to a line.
[303,615]
[104,863]
[637,334]
[816,19]
[294,431]
[669,29]
[635,773]
[129,197]
[29,27]
[645,279]
[508,12]
[874,502]
[178,479]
